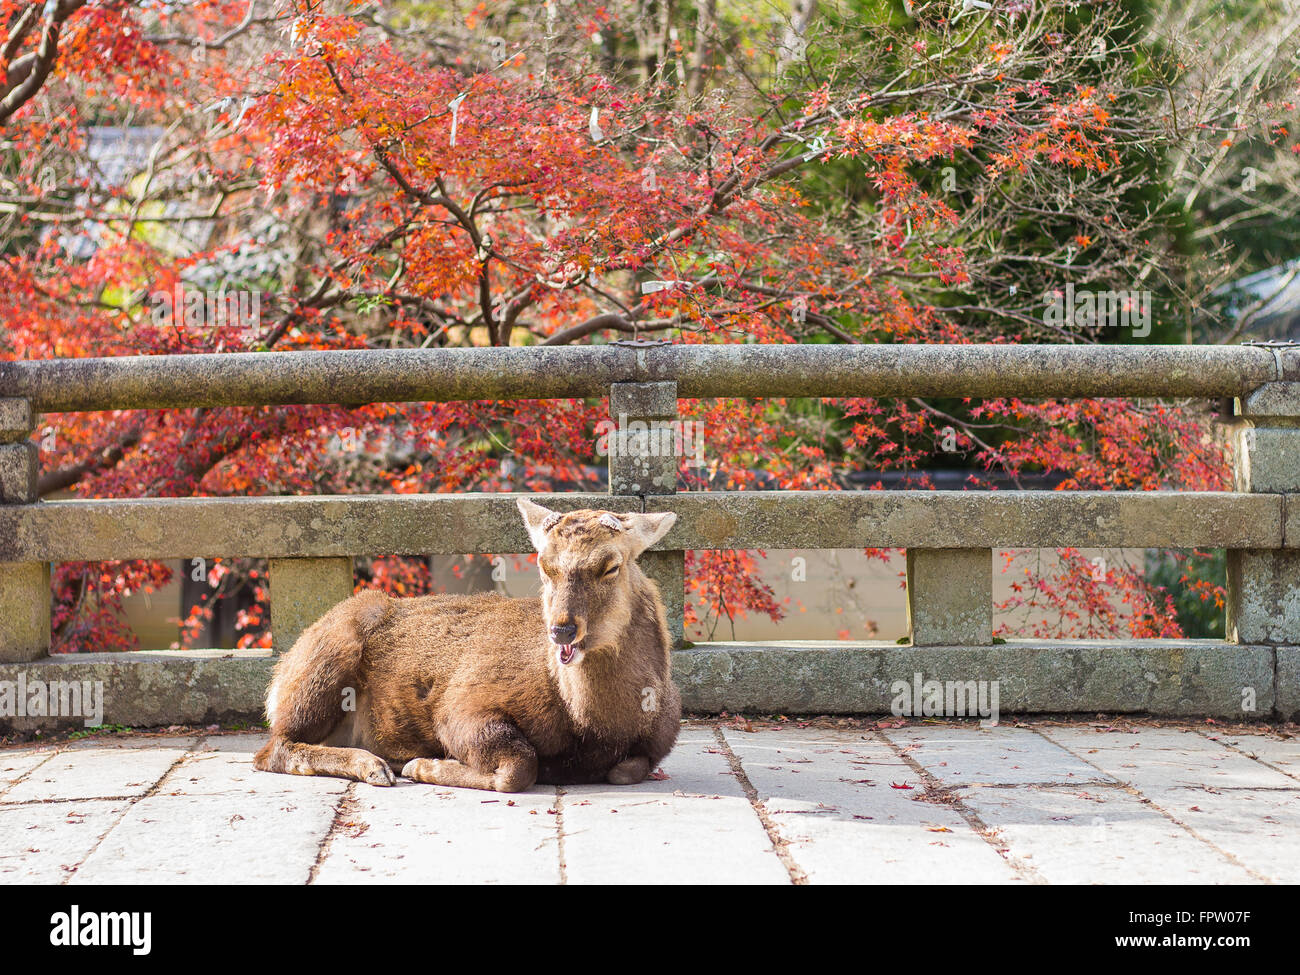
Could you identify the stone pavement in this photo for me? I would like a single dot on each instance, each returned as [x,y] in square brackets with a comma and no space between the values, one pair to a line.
[1039,802]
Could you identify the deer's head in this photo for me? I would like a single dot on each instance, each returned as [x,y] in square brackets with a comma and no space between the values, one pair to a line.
[587,561]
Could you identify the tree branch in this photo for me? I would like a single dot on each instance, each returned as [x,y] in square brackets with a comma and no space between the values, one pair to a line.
[24,77]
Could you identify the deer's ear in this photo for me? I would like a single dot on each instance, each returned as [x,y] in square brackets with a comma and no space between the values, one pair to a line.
[646,529]
[538,521]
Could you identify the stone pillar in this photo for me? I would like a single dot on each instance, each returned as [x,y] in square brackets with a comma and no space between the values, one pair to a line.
[302,591]
[24,586]
[950,596]
[1264,585]
[643,461]
[17,452]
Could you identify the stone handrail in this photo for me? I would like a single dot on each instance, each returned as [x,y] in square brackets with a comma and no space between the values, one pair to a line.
[455,524]
[949,535]
[700,372]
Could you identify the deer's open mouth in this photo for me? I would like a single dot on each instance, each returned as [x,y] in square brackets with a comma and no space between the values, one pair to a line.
[567,653]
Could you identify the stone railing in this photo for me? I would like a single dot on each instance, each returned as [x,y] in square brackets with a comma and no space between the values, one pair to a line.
[949,536]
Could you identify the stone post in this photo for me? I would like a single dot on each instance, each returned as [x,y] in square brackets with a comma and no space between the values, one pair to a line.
[24,586]
[302,591]
[950,596]
[1264,585]
[643,461]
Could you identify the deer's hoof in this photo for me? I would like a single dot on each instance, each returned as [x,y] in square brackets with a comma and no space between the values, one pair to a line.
[419,770]
[630,771]
[377,772]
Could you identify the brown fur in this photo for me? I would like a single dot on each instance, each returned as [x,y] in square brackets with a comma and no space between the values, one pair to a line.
[470,691]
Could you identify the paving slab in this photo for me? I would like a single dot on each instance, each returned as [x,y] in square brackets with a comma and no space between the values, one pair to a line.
[696,826]
[42,843]
[1161,758]
[15,764]
[425,834]
[101,770]
[178,839]
[1051,802]
[1244,808]
[1260,829]
[848,807]
[1098,835]
[1282,754]
[1001,755]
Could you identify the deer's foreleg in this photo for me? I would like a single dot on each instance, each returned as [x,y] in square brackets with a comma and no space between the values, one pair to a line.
[296,758]
[491,754]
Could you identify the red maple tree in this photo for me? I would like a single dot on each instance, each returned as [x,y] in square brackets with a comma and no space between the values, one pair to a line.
[563,173]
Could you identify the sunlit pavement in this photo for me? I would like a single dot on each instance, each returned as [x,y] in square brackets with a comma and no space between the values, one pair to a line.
[1035,802]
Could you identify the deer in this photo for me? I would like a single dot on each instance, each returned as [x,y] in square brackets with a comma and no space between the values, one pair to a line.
[486,691]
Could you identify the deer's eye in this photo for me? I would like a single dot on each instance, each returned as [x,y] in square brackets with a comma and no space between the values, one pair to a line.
[612,571]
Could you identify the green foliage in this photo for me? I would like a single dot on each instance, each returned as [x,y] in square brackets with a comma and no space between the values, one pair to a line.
[1197,613]
[95,731]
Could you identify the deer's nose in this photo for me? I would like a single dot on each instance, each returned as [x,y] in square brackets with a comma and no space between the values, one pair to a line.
[563,635]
